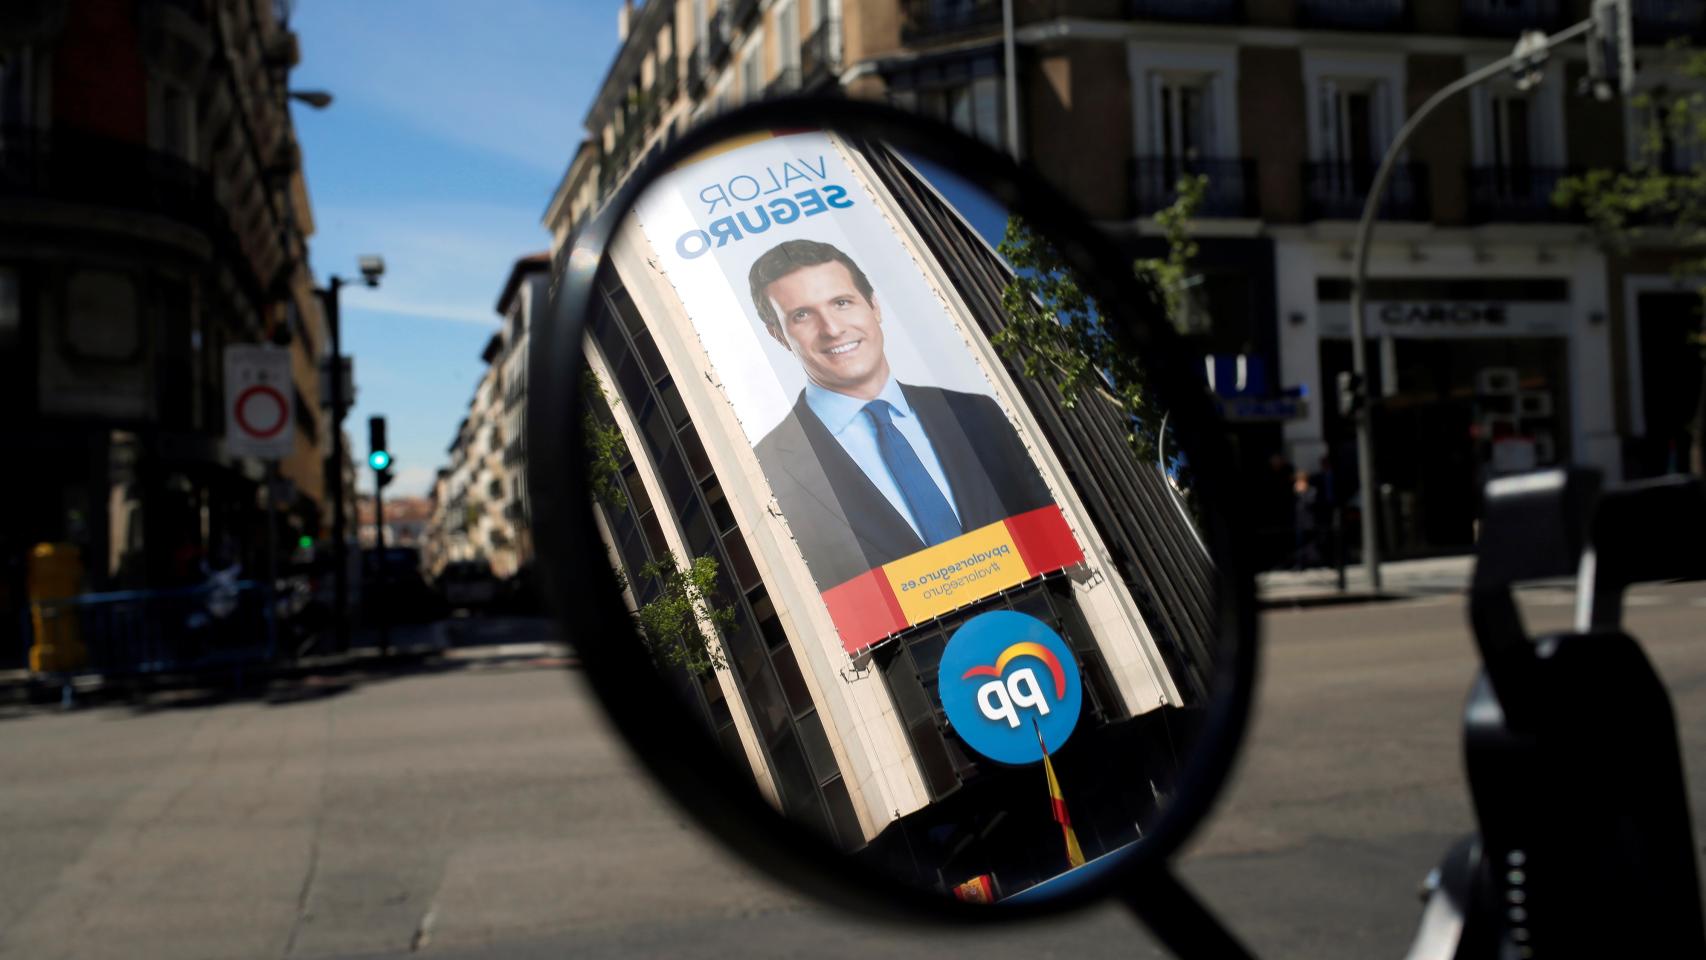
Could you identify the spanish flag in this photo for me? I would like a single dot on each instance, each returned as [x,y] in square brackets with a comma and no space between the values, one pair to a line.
[1074,856]
[979,889]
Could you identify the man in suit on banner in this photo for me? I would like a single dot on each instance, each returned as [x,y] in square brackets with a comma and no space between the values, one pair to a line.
[867,469]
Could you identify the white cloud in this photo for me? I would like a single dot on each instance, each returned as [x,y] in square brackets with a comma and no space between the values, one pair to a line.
[434,311]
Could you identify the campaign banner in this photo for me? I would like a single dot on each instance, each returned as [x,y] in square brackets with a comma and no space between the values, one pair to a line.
[900,477]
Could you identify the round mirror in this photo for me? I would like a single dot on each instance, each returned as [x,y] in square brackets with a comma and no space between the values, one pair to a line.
[879,496]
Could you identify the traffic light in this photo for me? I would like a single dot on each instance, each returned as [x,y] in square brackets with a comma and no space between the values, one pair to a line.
[378,457]
[1353,395]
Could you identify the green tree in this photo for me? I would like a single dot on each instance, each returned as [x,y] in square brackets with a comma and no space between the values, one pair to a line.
[605,448]
[1657,201]
[1054,330]
[677,624]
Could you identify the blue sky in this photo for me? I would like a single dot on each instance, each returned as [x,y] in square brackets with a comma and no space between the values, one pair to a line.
[452,125]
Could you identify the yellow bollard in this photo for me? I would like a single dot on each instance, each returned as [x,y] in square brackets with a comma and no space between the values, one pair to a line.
[56,573]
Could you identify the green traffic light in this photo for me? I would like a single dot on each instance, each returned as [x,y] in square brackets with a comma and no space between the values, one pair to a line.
[304,542]
[379,459]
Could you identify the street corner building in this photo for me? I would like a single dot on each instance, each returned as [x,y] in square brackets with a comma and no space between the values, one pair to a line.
[153,219]
[793,338]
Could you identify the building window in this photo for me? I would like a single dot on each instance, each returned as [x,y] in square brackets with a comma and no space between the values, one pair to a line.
[752,68]
[962,90]
[788,36]
[1354,121]
[1182,112]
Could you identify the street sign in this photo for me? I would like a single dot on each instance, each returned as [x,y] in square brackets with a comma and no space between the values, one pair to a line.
[260,408]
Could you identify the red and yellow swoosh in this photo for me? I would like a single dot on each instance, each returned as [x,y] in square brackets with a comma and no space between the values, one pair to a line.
[1028,648]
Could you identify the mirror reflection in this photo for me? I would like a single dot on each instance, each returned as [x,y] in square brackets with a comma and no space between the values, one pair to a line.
[894,514]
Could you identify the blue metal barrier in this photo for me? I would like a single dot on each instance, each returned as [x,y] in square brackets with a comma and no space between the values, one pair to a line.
[133,633]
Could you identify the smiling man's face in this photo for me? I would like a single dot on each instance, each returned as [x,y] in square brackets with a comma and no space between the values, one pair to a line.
[835,332]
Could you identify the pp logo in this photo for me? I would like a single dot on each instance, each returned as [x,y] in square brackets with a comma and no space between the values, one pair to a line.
[1004,678]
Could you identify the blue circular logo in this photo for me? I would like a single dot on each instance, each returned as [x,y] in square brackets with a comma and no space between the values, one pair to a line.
[1008,681]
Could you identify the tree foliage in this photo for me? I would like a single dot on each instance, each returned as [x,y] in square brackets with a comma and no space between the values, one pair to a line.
[605,448]
[677,623]
[1658,199]
[1054,331]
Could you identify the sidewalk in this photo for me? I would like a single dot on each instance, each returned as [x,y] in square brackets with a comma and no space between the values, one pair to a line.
[499,640]
[1399,580]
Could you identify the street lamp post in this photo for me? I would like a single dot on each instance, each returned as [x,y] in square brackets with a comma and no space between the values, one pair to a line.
[1529,52]
[372,267]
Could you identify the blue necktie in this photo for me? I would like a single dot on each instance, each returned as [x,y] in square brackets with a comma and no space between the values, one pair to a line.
[935,518]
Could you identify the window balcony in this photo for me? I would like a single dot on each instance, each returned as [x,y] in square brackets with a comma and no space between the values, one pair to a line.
[945,19]
[1188,11]
[1230,191]
[785,82]
[1660,21]
[1516,195]
[1354,14]
[743,11]
[1508,18]
[820,55]
[1334,190]
[717,37]
[668,82]
[697,68]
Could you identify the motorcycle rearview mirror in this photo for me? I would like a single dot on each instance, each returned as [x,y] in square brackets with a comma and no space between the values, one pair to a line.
[891,520]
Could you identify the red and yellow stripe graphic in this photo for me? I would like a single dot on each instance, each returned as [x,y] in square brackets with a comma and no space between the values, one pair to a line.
[1057,802]
[882,602]
[1074,855]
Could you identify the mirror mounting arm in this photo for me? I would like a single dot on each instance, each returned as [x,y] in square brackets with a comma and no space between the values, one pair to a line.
[1532,528]
[1179,920]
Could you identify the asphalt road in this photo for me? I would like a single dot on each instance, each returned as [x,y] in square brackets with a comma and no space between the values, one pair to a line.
[477,806]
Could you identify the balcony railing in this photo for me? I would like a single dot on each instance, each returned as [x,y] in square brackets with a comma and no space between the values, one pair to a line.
[1659,21]
[786,81]
[1230,191]
[940,19]
[1516,195]
[1354,14]
[1510,17]
[820,55]
[742,13]
[717,37]
[696,70]
[1335,190]
[667,83]
[1198,11]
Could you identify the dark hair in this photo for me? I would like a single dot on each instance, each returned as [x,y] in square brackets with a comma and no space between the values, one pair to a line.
[787,257]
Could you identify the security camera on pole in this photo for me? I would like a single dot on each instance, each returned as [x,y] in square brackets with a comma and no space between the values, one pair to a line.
[1610,55]
[337,378]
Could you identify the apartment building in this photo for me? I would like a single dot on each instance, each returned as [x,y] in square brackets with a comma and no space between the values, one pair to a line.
[479,507]
[1502,336]
[524,299]
[155,212]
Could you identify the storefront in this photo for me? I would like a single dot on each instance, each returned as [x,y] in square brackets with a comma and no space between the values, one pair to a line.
[1476,371]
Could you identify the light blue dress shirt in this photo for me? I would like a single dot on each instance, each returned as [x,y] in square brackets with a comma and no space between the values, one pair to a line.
[846,420]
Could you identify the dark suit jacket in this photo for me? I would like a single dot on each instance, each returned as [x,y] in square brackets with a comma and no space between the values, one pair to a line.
[846,526]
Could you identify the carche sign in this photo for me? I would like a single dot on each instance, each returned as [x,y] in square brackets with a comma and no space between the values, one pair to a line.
[1448,319]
